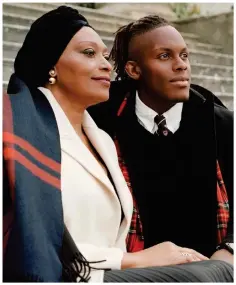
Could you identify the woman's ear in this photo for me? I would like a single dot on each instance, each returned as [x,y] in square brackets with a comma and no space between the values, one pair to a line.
[133,70]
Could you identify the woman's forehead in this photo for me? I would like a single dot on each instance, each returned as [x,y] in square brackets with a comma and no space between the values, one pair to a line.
[87,35]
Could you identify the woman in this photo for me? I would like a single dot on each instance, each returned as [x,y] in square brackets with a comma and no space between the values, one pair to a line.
[59,168]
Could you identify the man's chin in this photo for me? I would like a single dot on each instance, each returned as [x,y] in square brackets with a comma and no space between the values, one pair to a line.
[181,96]
[178,99]
[184,98]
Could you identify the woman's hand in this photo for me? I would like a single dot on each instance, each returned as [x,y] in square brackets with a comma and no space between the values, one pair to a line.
[162,254]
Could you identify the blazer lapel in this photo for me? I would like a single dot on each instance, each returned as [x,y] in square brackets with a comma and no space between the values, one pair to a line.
[74,147]
[92,132]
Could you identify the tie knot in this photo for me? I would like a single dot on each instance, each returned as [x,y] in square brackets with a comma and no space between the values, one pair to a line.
[160,121]
[161,124]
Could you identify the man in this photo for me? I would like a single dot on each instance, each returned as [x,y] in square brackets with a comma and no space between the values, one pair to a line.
[174,140]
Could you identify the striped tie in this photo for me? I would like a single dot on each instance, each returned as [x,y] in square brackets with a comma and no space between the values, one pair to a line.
[161,124]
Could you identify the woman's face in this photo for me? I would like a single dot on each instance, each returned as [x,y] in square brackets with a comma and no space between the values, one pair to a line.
[83,71]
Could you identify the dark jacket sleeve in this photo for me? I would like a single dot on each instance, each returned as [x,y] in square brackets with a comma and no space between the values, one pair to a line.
[224,135]
[224,141]
[103,116]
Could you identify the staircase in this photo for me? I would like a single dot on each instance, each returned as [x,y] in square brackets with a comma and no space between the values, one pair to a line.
[210,67]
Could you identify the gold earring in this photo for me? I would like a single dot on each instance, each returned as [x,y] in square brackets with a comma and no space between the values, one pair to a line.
[52,79]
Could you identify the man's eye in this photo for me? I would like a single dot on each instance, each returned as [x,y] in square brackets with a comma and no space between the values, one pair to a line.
[164,56]
[184,55]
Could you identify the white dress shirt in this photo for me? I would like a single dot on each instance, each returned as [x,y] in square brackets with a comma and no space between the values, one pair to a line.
[146,116]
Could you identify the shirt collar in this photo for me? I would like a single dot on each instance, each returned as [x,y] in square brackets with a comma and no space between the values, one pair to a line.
[146,116]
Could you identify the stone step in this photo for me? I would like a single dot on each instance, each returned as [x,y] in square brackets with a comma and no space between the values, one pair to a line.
[100,24]
[24,15]
[212,69]
[32,12]
[13,21]
[214,83]
[103,24]
[226,98]
[17,33]
[138,10]
[8,68]
[10,49]
[38,9]
[209,57]
[194,44]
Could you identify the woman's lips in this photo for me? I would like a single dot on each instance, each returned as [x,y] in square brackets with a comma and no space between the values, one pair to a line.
[103,80]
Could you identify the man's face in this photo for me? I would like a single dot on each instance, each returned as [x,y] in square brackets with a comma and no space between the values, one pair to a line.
[162,63]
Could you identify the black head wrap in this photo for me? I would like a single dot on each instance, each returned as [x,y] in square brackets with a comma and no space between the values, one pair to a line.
[45,42]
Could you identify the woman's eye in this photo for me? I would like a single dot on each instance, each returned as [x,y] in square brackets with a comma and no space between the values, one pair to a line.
[106,57]
[164,56]
[89,52]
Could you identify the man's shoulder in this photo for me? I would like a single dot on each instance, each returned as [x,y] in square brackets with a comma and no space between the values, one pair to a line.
[223,120]
[221,112]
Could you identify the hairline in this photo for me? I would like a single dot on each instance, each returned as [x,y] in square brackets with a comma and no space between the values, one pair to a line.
[144,32]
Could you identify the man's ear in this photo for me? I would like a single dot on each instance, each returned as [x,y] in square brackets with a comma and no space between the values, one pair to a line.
[132,69]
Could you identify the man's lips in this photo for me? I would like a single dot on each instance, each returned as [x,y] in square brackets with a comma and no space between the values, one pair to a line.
[180,81]
[179,78]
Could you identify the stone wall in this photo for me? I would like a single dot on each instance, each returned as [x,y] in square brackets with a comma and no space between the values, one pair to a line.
[208,9]
[217,29]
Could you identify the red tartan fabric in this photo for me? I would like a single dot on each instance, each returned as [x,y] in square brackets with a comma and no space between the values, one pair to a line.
[223,206]
[135,238]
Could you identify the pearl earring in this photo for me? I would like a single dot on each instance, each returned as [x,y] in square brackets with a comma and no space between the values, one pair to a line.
[52,80]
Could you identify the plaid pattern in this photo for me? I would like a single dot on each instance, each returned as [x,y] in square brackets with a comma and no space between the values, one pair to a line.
[222,207]
[31,187]
[135,238]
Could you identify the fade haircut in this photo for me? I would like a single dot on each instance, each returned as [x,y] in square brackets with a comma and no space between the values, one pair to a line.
[120,50]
